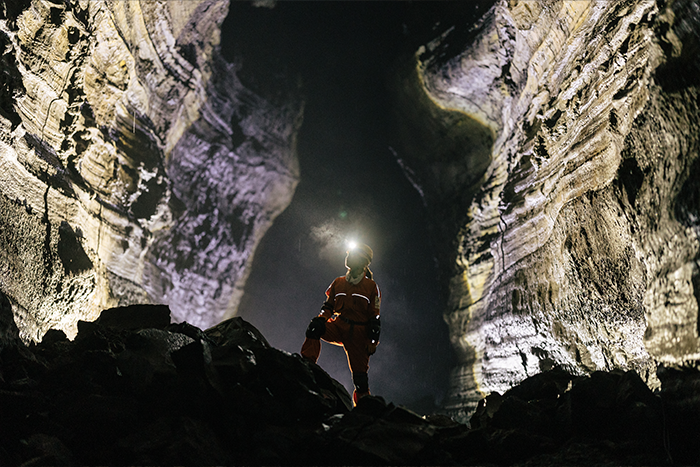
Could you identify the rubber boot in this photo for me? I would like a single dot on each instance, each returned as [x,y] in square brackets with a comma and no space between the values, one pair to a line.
[361,382]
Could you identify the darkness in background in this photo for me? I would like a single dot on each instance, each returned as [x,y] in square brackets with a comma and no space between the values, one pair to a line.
[339,57]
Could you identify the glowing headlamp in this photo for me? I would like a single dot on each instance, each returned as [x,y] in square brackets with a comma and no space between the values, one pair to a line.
[361,249]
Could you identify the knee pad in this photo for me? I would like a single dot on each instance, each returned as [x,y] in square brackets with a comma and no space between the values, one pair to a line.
[317,328]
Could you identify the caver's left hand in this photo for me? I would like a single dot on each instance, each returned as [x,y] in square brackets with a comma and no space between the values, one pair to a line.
[372,347]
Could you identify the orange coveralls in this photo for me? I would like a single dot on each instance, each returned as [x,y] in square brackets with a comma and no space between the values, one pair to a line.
[348,309]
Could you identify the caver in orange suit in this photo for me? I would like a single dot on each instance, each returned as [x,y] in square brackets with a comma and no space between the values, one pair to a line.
[349,317]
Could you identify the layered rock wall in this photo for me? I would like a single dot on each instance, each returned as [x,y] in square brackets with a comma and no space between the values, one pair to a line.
[579,245]
[134,165]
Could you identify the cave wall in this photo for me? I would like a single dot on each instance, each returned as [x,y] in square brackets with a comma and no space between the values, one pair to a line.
[578,245]
[134,165]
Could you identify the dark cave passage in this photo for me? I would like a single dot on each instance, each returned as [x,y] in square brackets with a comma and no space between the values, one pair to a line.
[341,58]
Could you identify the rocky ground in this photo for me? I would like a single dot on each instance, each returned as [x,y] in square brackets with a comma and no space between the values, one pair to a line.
[134,389]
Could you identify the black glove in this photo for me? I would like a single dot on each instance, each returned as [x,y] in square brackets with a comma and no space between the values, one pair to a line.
[374,328]
[317,328]
[371,348]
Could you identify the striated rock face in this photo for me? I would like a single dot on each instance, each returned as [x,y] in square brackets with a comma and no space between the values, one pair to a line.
[134,165]
[577,230]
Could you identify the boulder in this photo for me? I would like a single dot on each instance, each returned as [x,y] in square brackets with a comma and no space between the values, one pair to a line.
[237,331]
[554,415]
[136,317]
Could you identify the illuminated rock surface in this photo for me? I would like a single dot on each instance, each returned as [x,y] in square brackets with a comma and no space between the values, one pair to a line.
[134,166]
[578,243]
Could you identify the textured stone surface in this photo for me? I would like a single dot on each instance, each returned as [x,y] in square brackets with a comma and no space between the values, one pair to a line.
[578,245]
[129,391]
[134,165]
[135,391]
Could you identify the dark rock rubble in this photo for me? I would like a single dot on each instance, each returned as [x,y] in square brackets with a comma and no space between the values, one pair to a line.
[134,389]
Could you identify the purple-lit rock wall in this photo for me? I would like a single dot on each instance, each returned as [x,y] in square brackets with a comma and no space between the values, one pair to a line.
[134,165]
[578,243]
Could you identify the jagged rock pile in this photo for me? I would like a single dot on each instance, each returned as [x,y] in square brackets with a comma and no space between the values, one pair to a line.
[133,389]
[148,392]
